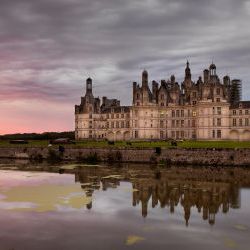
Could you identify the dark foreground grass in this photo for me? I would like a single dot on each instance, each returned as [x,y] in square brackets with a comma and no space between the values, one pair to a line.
[136,144]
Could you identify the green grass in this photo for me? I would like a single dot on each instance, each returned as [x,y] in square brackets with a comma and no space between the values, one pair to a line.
[214,144]
[32,143]
[136,144]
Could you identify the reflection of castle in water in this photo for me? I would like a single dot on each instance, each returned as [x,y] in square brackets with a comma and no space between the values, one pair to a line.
[167,189]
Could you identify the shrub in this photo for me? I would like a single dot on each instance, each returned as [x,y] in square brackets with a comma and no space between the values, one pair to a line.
[91,158]
[158,150]
[153,159]
[53,156]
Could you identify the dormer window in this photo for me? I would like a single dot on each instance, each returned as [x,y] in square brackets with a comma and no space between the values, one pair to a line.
[162,97]
[218,91]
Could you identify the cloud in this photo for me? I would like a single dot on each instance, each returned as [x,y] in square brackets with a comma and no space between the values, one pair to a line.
[48,48]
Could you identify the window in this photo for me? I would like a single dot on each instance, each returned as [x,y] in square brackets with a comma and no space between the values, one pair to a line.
[217,99]
[173,134]
[137,96]
[193,123]
[213,133]
[173,113]
[218,122]
[122,115]
[162,104]
[112,124]
[161,124]
[182,113]
[246,122]
[218,110]
[194,114]
[182,134]
[194,94]
[177,113]
[234,122]
[112,116]
[177,134]
[161,134]
[162,97]
[240,113]
[218,91]
[136,134]
[219,134]
[127,124]
[246,112]
[117,115]
[122,124]
[173,123]
[177,124]
[234,112]
[240,122]
[182,123]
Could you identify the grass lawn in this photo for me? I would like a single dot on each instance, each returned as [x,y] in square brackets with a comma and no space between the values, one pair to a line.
[138,144]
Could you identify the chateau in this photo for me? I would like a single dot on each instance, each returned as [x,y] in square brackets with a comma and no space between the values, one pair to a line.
[209,109]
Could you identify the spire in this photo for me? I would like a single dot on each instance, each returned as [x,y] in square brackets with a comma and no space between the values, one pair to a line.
[188,72]
[144,78]
[89,87]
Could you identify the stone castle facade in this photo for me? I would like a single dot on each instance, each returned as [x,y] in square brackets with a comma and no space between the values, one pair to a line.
[209,109]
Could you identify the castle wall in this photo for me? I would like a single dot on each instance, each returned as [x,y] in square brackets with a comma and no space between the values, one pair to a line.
[228,157]
[200,111]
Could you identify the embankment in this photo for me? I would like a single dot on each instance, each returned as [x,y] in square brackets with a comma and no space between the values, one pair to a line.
[210,157]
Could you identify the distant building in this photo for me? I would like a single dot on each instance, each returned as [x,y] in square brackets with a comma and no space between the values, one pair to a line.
[209,109]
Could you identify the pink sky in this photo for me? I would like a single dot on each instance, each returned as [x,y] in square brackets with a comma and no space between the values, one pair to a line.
[36,116]
[49,47]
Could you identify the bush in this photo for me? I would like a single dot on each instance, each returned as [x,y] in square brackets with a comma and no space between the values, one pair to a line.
[114,157]
[153,159]
[158,150]
[53,156]
[36,157]
[91,158]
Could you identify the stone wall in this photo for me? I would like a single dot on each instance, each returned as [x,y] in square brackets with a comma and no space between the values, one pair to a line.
[237,157]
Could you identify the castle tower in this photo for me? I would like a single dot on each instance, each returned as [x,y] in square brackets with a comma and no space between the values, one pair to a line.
[188,74]
[188,78]
[144,79]
[89,87]
[206,75]
[212,70]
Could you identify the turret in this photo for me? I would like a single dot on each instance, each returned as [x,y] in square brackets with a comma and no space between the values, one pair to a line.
[144,79]
[226,80]
[172,79]
[155,87]
[206,75]
[212,69]
[188,75]
[89,87]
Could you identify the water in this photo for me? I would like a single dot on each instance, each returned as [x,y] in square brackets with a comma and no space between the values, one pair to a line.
[130,207]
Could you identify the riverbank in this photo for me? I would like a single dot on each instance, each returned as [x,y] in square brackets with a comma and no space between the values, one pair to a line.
[158,155]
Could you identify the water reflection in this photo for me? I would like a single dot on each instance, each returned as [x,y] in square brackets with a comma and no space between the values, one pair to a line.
[208,191]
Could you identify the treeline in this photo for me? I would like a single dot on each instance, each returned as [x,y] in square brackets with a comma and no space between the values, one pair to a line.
[43,136]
